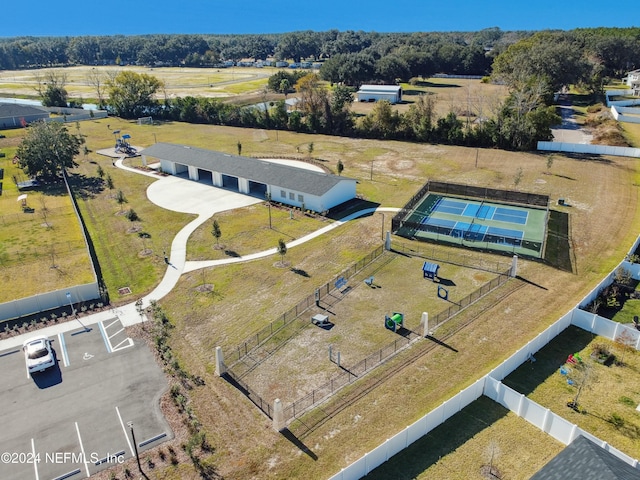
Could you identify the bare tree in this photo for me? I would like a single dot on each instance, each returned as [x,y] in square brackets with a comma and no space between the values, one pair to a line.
[98,80]
[44,210]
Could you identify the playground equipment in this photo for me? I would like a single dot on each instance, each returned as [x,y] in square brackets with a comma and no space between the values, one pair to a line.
[430,270]
[122,143]
[443,293]
[394,322]
[340,283]
[320,320]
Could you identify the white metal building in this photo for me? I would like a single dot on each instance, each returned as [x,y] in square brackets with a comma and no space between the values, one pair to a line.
[373,93]
[317,191]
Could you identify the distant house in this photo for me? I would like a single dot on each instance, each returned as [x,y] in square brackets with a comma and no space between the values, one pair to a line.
[632,80]
[14,115]
[317,191]
[373,93]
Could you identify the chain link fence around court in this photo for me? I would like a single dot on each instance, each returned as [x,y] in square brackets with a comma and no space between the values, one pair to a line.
[460,190]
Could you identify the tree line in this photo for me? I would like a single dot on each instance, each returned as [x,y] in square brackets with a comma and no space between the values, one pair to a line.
[461,52]
[534,66]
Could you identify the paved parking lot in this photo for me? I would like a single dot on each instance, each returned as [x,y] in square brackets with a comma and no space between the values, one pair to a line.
[74,420]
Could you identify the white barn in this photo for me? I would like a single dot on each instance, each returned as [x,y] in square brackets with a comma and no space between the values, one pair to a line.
[317,191]
[373,93]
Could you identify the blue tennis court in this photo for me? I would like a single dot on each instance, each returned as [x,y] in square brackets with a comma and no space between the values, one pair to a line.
[481,211]
[510,215]
[474,232]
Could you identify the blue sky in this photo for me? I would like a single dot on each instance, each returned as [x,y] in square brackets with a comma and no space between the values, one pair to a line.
[93,17]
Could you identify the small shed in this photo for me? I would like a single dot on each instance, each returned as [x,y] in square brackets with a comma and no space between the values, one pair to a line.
[373,93]
[430,270]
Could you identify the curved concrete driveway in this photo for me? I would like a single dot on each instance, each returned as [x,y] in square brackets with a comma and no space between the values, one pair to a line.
[182,195]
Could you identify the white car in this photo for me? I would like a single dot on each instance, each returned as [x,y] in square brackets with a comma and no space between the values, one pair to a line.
[38,354]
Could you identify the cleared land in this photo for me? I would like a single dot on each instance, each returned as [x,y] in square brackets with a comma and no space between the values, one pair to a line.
[179,82]
[468,99]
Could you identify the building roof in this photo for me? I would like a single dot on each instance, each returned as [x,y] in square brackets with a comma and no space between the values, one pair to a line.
[291,178]
[379,88]
[584,460]
[19,110]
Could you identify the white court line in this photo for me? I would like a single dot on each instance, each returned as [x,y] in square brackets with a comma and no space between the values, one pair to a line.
[84,456]
[125,433]
[35,464]
[63,346]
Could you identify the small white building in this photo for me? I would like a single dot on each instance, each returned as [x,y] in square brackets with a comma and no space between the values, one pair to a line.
[317,191]
[632,80]
[373,93]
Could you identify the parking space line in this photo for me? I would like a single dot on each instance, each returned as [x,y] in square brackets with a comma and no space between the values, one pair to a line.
[121,330]
[63,347]
[115,320]
[84,456]
[125,432]
[107,343]
[126,340]
[33,452]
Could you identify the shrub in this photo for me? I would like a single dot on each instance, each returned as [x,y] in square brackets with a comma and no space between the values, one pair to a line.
[132,215]
[627,401]
[616,420]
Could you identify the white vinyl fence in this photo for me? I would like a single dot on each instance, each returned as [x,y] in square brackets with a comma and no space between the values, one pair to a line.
[491,385]
[619,114]
[588,148]
[543,418]
[50,300]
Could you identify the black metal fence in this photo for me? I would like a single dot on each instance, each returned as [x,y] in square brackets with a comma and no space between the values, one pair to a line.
[246,356]
[460,190]
[428,251]
[507,196]
[349,375]
[455,307]
[386,353]
[235,355]
[250,393]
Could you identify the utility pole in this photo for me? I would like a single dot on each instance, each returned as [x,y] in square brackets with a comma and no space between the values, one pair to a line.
[135,447]
[267,197]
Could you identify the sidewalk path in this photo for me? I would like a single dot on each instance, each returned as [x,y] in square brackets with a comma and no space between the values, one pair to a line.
[187,196]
